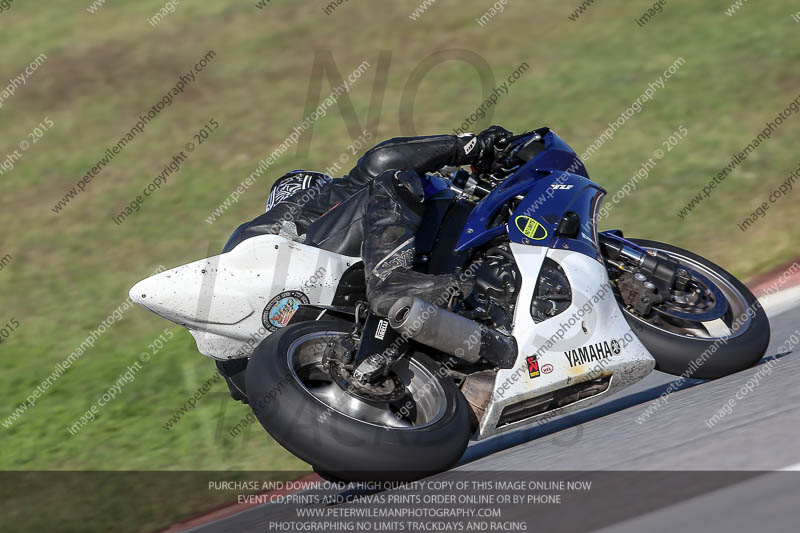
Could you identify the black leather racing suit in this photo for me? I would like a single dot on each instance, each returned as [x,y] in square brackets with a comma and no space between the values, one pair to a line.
[375,211]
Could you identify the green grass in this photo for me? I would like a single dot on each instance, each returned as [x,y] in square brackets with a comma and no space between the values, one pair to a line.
[71,270]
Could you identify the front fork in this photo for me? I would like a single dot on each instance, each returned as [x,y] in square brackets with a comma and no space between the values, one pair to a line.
[662,271]
[649,278]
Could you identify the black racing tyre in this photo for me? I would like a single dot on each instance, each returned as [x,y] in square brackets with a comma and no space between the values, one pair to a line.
[346,437]
[697,353]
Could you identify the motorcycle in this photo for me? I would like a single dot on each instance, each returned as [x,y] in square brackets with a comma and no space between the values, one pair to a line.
[560,316]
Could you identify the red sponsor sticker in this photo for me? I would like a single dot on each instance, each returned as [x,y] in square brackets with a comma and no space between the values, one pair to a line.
[546,369]
[533,366]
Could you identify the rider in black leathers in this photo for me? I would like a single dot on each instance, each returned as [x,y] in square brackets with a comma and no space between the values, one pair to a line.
[374,212]
[378,208]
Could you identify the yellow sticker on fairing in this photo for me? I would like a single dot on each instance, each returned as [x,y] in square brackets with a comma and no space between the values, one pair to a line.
[530,228]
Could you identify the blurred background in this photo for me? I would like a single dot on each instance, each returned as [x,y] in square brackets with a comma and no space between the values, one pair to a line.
[77,77]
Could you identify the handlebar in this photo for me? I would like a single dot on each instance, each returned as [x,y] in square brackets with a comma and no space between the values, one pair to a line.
[483,179]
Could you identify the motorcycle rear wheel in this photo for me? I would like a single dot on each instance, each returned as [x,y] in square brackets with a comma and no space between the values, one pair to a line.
[339,433]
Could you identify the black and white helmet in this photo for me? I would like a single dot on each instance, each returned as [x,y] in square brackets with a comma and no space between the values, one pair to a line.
[293,182]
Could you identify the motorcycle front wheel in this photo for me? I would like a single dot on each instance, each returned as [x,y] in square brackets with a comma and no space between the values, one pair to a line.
[342,434]
[703,349]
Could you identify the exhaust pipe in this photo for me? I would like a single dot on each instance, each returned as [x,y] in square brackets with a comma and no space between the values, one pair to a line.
[450,333]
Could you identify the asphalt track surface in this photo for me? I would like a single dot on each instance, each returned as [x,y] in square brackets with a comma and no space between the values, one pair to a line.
[669,472]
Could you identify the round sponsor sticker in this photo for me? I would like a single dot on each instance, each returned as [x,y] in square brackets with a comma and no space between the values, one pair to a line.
[546,369]
[531,228]
[282,308]
[615,347]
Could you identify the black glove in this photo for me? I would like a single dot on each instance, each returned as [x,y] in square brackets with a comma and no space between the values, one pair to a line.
[489,138]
